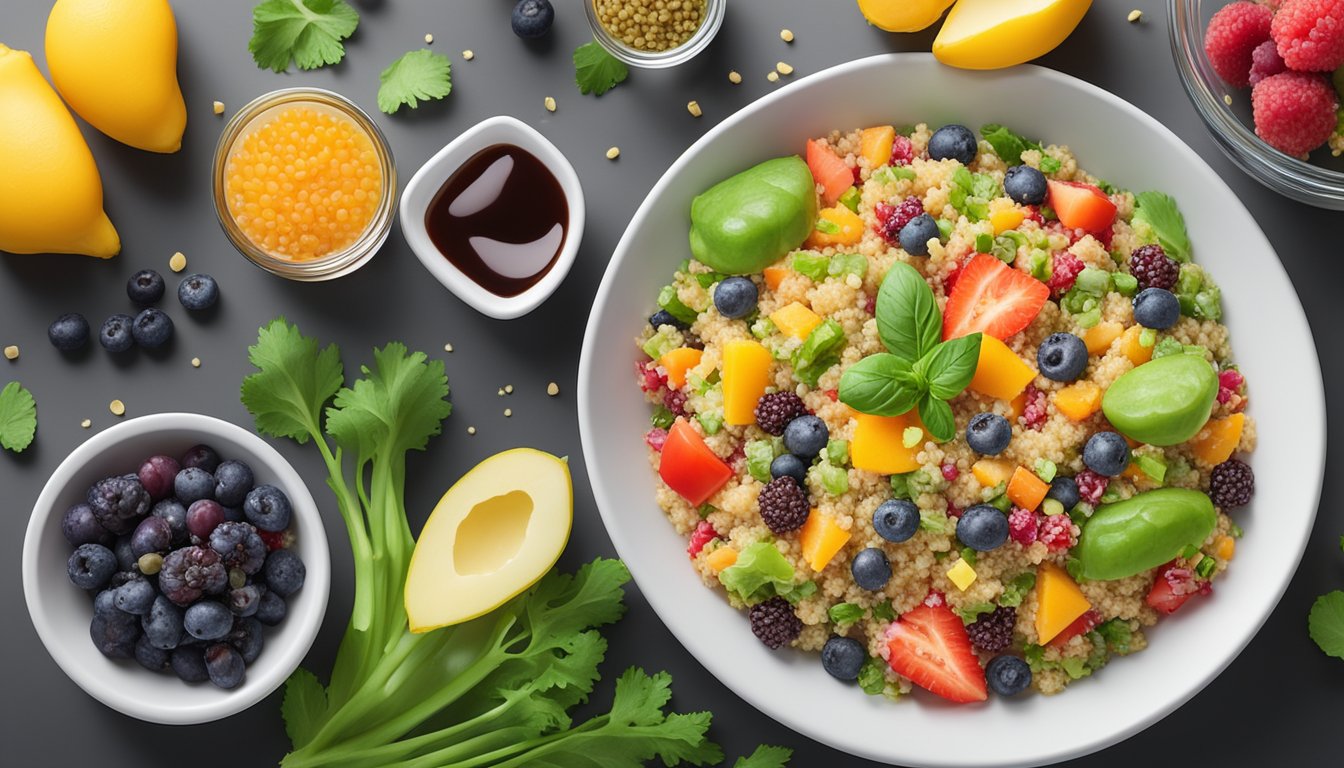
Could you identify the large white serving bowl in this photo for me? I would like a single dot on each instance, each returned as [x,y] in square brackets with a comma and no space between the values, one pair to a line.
[1270,337]
[61,612]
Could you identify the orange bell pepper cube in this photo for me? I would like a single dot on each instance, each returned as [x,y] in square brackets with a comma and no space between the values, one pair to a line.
[1026,490]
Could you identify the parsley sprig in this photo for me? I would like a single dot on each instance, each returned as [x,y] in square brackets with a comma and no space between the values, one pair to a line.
[596,71]
[307,32]
[415,77]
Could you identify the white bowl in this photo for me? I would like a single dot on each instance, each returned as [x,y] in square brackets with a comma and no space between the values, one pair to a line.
[61,612]
[430,178]
[1270,337]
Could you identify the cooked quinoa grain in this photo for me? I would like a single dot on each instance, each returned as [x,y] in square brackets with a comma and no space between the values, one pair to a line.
[651,25]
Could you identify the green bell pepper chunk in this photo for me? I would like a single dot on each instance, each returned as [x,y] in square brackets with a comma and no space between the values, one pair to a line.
[1142,532]
[747,222]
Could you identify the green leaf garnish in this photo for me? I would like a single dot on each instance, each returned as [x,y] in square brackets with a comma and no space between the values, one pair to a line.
[596,71]
[308,32]
[765,756]
[1160,213]
[1325,623]
[908,320]
[415,77]
[18,417]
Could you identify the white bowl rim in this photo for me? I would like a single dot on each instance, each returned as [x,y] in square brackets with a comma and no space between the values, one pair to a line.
[431,176]
[281,660]
[663,602]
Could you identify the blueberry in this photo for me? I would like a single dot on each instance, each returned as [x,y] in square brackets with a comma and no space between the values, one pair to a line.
[68,332]
[175,514]
[135,597]
[245,600]
[1007,675]
[1025,185]
[233,479]
[788,465]
[896,520]
[90,566]
[125,553]
[157,474]
[145,287]
[152,328]
[917,233]
[267,507]
[1156,308]
[955,142]
[272,609]
[188,663]
[203,516]
[239,546]
[663,317]
[870,569]
[1062,357]
[202,456]
[150,657]
[114,633]
[982,528]
[207,620]
[193,484]
[532,18]
[163,624]
[247,637]
[119,503]
[115,335]
[843,657]
[80,526]
[284,572]
[806,436]
[153,534]
[1106,453]
[1065,491]
[234,515]
[735,297]
[198,292]
[224,665]
[988,433]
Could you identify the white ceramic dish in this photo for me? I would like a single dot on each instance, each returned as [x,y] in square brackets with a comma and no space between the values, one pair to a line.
[61,612]
[430,178]
[1270,336]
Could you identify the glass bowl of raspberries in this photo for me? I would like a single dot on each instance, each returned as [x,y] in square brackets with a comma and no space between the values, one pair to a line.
[1266,77]
[176,568]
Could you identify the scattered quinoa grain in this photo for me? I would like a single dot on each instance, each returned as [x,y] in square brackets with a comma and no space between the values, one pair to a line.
[784,68]
[734,77]
[651,25]
[219,107]
[552,389]
[550,103]
[773,76]
[508,389]
[429,39]
[786,35]
[117,408]
[500,392]
[178,262]
[693,107]
[508,412]
[613,153]
[195,362]
[86,423]
[447,347]
[11,352]
[471,430]
[1135,15]
[468,54]
[1227,99]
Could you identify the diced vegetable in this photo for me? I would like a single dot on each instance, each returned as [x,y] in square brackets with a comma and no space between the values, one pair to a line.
[1099,337]
[835,480]
[821,538]
[668,300]
[877,444]
[1060,600]
[1080,206]
[1129,344]
[677,361]
[1079,400]
[837,452]
[810,264]
[1006,219]
[828,170]
[848,264]
[1224,547]
[875,145]
[759,454]
[721,558]
[774,275]
[819,352]
[664,340]
[851,199]
[1000,373]
[746,373]
[795,319]
[1218,439]
[992,473]
[689,467]
[835,226]
[759,573]
[961,574]
[1026,489]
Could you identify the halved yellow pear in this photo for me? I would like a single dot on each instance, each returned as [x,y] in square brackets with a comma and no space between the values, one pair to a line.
[989,34]
[497,531]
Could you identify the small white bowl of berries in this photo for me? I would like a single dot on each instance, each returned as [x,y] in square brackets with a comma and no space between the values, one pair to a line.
[176,568]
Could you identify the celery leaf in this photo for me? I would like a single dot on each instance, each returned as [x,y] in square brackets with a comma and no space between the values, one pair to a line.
[303,708]
[294,379]
[307,31]
[415,77]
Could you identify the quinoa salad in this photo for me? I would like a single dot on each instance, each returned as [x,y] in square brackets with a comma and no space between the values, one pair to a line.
[946,409]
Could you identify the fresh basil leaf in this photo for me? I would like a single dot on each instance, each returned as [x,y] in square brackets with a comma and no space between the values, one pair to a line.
[908,319]
[879,384]
[952,366]
[1007,145]
[937,417]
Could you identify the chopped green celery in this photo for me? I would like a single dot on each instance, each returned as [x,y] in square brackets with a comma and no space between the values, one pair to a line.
[1154,467]
[1200,298]
[900,486]
[1125,283]
[763,327]
[944,228]
[1006,245]
[989,494]
[1052,507]
[1147,337]
[922,482]
[812,265]
[1039,264]
[1167,346]
[1117,635]
[1089,318]
[1074,567]
[667,299]
[837,451]
[759,455]
[1075,301]
[1094,281]
[706,279]
[971,192]
[710,421]
[891,174]
[819,352]
[850,199]
[1046,469]
[911,436]
[934,521]
[883,611]
[1237,533]
[873,677]
[1047,212]
[1190,551]
[969,613]
[826,226]
[968,555]
[834,479]
[1016,590]
[1205,567]
[1049,164]
[845,613]
[662,417]
[1076,668]
[664,340]
[1080,513]
[796,592]
[705,510]
[977,208]
[1001,502]
[1110,495]
[848,264]
[759,573]
[984,242]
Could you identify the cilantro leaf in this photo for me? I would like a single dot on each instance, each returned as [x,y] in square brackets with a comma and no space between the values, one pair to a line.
[304,705]
[395,408]
[292,383]
[765,756]
[596,71]
[417,76]
[1325,623]
[1160,213]
[308,31]
[18,417]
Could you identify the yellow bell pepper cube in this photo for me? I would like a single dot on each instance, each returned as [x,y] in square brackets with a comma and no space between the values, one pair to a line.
[795,320]
[878,444]
[1006,219]
[1060,602]
[961,574]
[875,145]
[721,558]
[1079,400]
[1218,439]
[992,472]
[1099,337]
[1000,373]
[821,538]
[746,373]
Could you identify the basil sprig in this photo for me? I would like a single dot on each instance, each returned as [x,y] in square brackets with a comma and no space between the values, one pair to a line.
[919,370]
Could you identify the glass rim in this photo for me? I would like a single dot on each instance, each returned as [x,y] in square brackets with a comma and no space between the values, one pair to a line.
[709,27]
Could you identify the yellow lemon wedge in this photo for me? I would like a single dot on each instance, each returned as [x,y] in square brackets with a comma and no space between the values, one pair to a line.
[902,15]
[990,34]
[51,196]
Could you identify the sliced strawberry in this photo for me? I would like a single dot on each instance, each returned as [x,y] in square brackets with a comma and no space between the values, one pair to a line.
[1173,586]
[1080,626]
[929,645]
[1080,206]
[828,170]
[992,297]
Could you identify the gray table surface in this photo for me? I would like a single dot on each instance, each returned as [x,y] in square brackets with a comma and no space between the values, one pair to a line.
[1280,700]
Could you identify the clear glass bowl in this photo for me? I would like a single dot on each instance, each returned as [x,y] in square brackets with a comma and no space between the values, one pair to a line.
[1320,183]
[334,265]
[709,27]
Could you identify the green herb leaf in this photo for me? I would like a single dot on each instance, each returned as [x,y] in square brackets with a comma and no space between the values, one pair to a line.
[760,573]
[759,454]
[765,756]
[883,611]
[1325,623]
[880,384]
[294,380]
[845,613]
[417,76]
[1159,211]
[668,300]
[819,352]
[304,705]
[1117,635]
[1007,145]
[1014,591]
[937,417]
[18,417]
[848,264]
[908,319]
[596,71]
[1049,164]
[872,677]
[796,592]
[309,32]
[969,613]
[952,365]
[396,408]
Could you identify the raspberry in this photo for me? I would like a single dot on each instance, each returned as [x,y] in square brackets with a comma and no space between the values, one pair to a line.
[1310,34]
[655,438]
[870,304]
[675,401]
[702,535]
[1056,533]
[1091,485]
[775,410]
[1153,268]
[1022,526]
[1294,111]
[1064,269]
[1229,384]
[277,539]
[891,218]
[902,151]
[1265,61]
[1034,413]
[1233,33]
[649,378]
[993,631]
[950,472]
[1232,484]
[783,505]
[774,623]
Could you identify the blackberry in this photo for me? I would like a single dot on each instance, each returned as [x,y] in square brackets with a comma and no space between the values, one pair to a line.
[783,505]
[1232,484]
[118,503]
[774,623]
[775,410]
[238,546]
[993,631]
[891,219]
[189,572]
[1153,268]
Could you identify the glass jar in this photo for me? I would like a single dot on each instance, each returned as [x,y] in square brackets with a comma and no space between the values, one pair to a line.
[635,57]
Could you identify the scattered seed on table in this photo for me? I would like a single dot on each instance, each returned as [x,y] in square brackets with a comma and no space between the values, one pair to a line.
[734,77]
[773,76]
[508,389]
[468,54]
[550,104]
[429,39]
[195,362]
[117,408]
[500,392]
[508,412]
[178,262]
[693,107]
[613,153]
[86,423]
[786,35]
[447,347]
[219,107]
[552,389]
[11,352]
[1227,99]
[1135,15]
[784,68]
[471,430]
